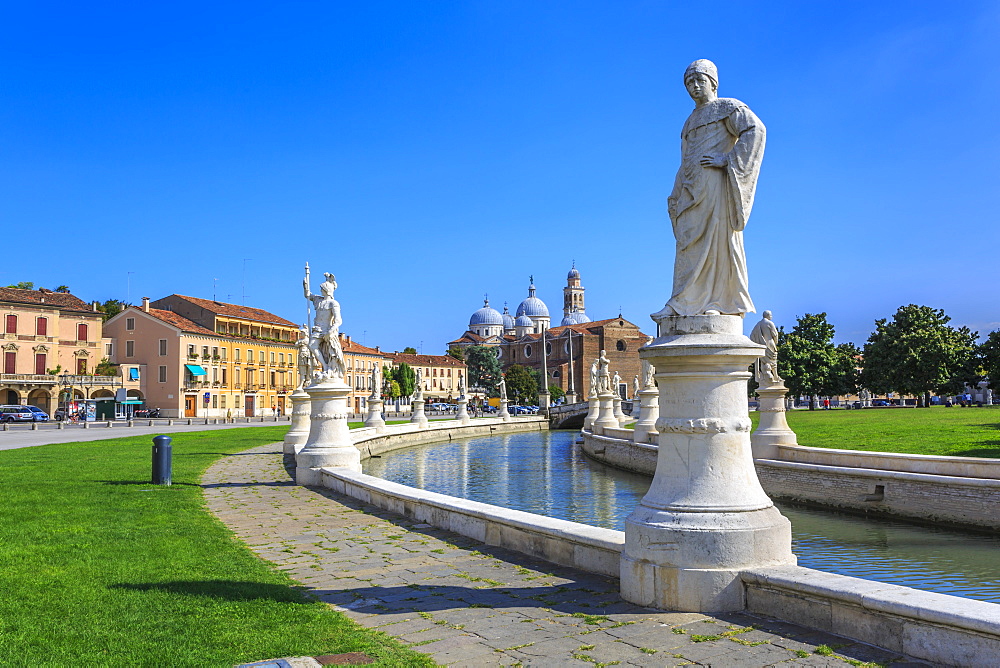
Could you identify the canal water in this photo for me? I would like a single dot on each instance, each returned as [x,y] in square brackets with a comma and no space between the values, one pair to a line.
[545,473]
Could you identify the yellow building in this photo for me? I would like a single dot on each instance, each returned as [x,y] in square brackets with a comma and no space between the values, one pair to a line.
[360,361]
[206,358]
[440,374]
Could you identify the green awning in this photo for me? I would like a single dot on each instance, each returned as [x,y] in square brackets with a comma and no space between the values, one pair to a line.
[132,401]
[196,370]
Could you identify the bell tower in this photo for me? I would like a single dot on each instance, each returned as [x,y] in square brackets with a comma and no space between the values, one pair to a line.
[573,293]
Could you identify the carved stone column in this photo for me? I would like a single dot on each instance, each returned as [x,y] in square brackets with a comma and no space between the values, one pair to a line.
[616,406]
[605,412]
[649,411]
[417,416]
[374,418]
[503,414]
[773,429]
[592,410]
[298,432]
[329,442]
[463,410]
[705,517]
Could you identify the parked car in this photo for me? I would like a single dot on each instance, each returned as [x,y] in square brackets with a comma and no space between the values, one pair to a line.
[16,414]
[40,415]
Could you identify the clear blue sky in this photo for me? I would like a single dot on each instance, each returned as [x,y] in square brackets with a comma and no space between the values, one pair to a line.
[429,152]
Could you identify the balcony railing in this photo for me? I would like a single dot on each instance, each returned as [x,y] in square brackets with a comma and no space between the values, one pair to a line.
[34,379]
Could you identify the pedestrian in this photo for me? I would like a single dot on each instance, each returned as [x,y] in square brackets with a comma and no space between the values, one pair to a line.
[826,404]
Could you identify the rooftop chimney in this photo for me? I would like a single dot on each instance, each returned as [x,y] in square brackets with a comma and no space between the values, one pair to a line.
[145,304]
[94,306]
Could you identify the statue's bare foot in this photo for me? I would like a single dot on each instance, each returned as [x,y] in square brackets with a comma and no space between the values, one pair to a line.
[667,312]
[712,311]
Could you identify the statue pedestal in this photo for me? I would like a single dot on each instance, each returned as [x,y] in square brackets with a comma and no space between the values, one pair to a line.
[571,397]
[374,418]
[298,432]
[605,413]
[329,442]
[417,416]
[619,413]
[463,410]
[705,517]
[773,429]
[649,411]
[503,414]
[592,410]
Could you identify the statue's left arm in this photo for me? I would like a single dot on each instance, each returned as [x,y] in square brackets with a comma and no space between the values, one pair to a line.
[743,161]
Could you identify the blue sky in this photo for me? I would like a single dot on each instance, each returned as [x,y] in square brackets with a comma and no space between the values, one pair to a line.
[428,153]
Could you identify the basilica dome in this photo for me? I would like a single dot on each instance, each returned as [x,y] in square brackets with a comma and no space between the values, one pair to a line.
[486,316]
[533,307]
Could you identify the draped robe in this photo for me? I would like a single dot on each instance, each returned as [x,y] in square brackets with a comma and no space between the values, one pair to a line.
[709,207]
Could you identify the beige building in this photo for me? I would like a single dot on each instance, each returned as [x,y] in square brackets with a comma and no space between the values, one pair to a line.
[440,374]
[208,359]
[360,361]
[52,343]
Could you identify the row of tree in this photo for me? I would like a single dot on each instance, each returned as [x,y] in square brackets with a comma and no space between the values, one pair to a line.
[916,353]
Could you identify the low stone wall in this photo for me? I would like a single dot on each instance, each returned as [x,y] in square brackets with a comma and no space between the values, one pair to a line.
[395,436]
[946,630]
[949,500]
[562,542]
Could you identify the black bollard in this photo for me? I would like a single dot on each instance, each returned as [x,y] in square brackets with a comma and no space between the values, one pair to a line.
[162,460]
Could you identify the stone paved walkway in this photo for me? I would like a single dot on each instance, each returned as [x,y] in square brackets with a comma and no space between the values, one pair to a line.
[467,604]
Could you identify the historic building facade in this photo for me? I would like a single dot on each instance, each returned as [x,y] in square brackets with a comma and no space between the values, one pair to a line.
[570,348]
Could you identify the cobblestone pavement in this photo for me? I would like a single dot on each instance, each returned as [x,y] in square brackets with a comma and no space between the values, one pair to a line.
[467,604]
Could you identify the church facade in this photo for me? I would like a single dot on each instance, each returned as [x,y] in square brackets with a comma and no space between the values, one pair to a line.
[570,348]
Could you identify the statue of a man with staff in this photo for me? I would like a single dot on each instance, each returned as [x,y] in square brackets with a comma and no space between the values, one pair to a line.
[324,338]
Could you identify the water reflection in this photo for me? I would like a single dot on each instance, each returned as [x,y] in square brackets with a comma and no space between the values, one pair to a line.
[545,473]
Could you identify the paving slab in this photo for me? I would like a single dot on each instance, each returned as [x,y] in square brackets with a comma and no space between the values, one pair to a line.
[480,605]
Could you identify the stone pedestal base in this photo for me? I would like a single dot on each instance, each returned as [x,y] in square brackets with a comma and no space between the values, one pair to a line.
[463,411]
[619,413]
[298,433]
[329,442]
[649,411]
[417,416]
[592,411]
[571,397]
[605,414]
[503,414]
[374,418]
[705,517]
[773,429]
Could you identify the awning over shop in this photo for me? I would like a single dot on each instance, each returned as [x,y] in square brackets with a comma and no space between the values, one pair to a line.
[196,369]
[133,374]
[131,401]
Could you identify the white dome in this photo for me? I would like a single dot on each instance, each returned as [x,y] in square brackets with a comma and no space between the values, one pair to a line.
[508,319]
[533,307]
[524,321]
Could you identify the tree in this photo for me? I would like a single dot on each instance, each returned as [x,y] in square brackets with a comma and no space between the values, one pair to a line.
[110,308]
[62,288]
[23,285]
[810,364]
[556,392]
[457,353]
[409,350]
[989,358]
[407,379]
[106,368]
[919,353]
[521,384]
[484,368]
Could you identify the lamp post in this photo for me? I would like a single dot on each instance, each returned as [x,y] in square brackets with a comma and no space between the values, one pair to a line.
[571,391]
[543,394]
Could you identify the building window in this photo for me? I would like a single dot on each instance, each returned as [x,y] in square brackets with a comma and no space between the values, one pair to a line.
[215,401]
[81,332]
[11,324]
[109,349]
[191,352]
[222,403]
[163,374]
[41,326]
[273,377]
[163,347]
[236,354]
[250,356]
[9,362]
[548,347]
[223,375]
[281,358]
[40,364]
[527,351]
[130,349]
[215,352]
[236,401]
[236,377]
[223,354]
[130,323]
[81,366]
[272,358]
[620,346]
[204,352]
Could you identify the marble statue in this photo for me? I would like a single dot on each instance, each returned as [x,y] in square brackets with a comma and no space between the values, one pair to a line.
[461,386]
[324,340]
[594,389]
[376,383]
[418,385]
[765,370]
[722,144]
[616,383]
[603,376]
[503,388]
[636,386]
[305,358]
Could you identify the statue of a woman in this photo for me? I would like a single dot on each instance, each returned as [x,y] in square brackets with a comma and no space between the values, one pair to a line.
[325,340]
[594,387]
[722,144]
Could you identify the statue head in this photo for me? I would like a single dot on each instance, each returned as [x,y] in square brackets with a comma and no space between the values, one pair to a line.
[701,79]
[766,315]
[329,285]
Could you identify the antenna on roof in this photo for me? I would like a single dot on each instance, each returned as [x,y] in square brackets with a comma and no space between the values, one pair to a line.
[128,286]
[215,285]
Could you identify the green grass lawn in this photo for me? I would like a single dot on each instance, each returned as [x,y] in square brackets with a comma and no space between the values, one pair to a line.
[100,568]
[962,432]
